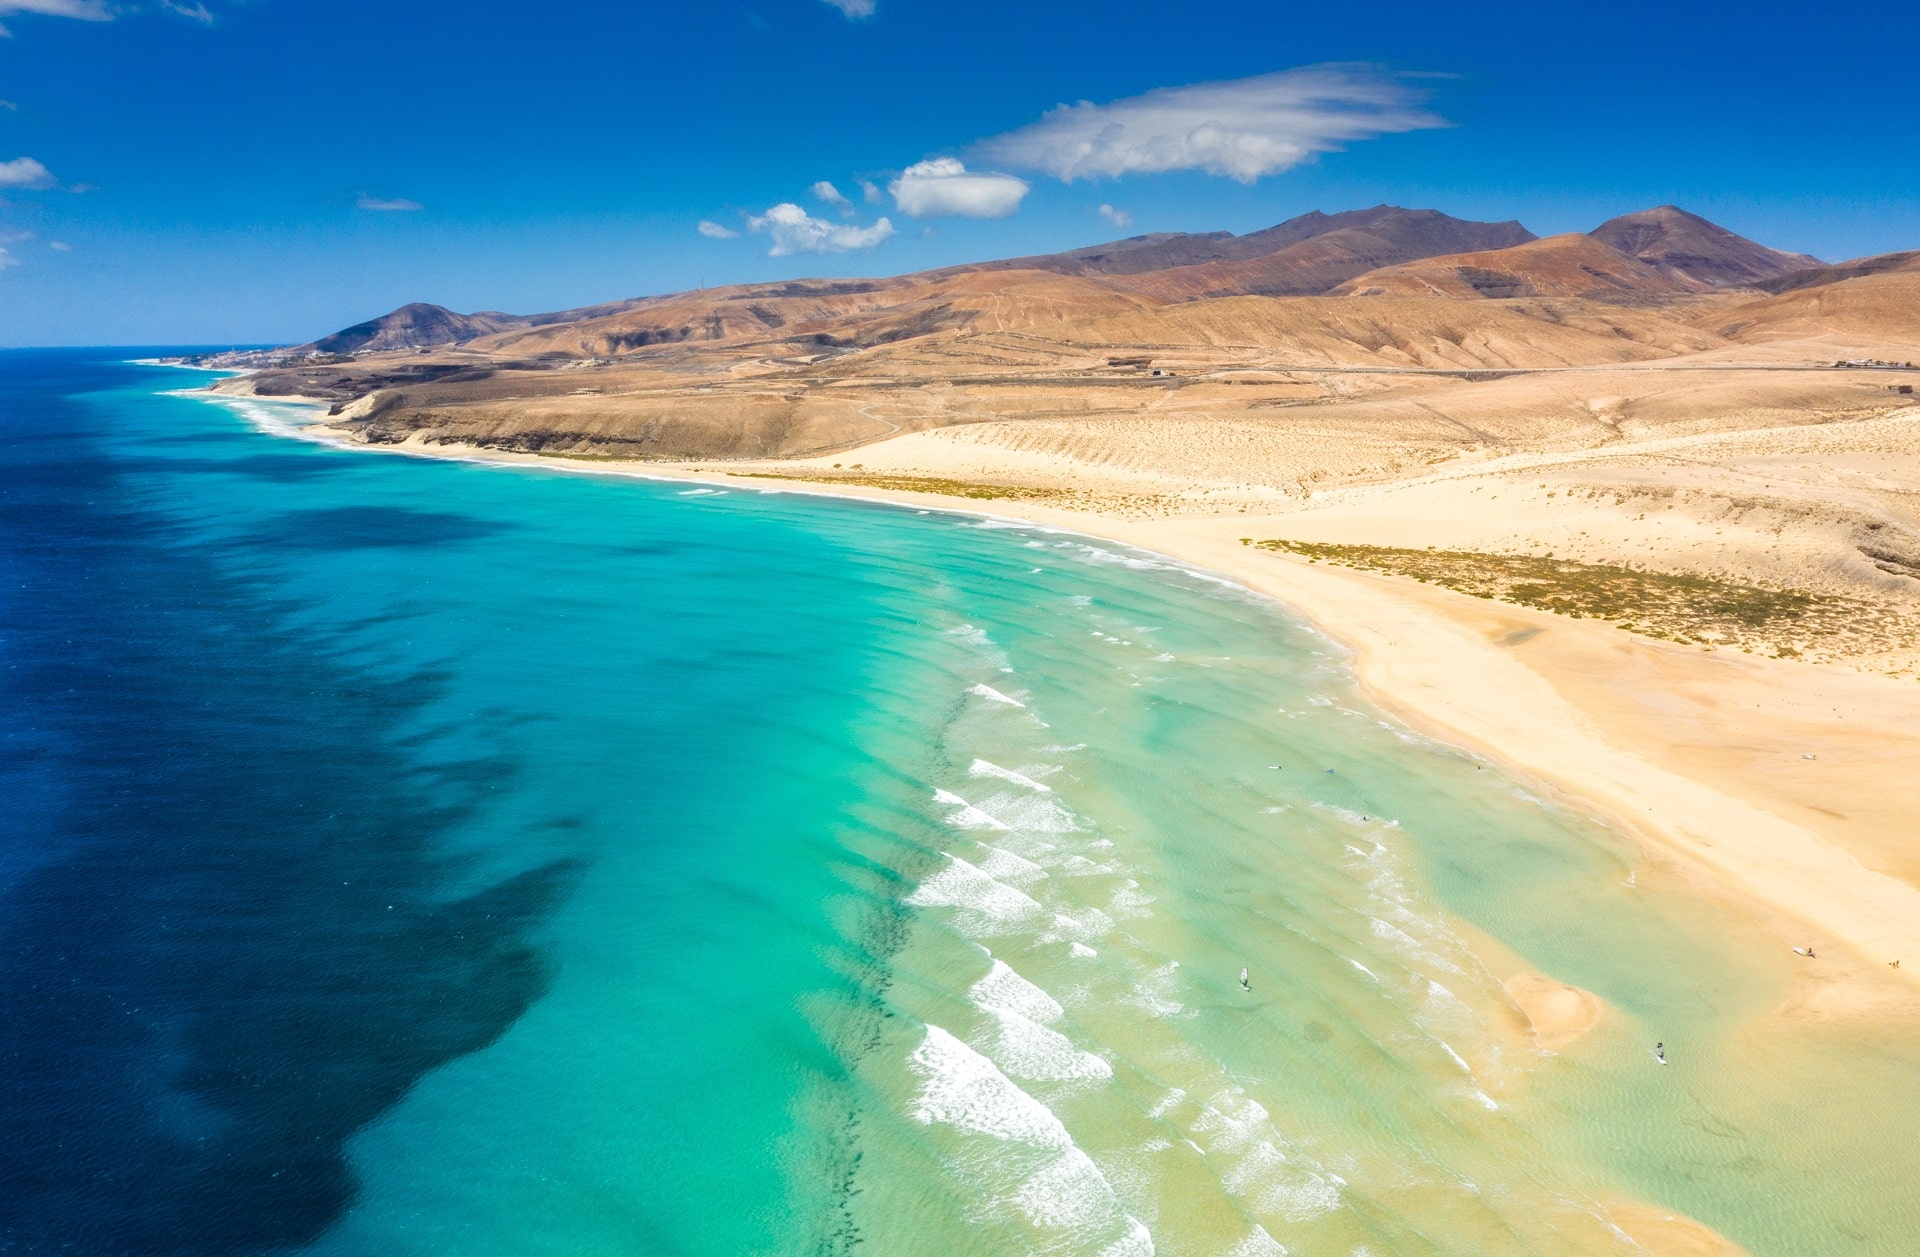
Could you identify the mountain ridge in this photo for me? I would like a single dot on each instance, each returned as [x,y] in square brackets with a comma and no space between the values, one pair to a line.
[1657,254]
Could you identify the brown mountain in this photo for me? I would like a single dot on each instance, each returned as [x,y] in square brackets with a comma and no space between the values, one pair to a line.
[1415,229]
[422,326]
[1316,263]
[1869,313]
[1572,265]
[1814,276]
[1384,250]
[1689,248]
[414,326]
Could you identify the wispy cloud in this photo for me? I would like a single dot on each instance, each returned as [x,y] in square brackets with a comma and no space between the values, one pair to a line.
[824,191]
[25,173]
[98,10]
[1242,129]
[943,187]
[714,231]
[387,204]
[59,246]
[854,9]
[1118,217]
[85,10]
[870,191]
[7,259]
[795,231]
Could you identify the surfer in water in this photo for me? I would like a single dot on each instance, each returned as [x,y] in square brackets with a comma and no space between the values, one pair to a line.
[1244,984]
[1806,951]
[1660,1053]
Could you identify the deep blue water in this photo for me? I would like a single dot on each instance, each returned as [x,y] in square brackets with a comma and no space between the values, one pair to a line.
[226,941]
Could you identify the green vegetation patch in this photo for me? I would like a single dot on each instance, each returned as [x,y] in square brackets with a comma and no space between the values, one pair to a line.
[923,484]
[1675,607]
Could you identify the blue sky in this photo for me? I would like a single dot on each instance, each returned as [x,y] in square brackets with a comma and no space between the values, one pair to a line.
[212,171]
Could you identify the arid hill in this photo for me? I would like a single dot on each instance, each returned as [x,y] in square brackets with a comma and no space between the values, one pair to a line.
[1559,266]
[1396,318]
[1814,276]
[1689,248]
[1411,233]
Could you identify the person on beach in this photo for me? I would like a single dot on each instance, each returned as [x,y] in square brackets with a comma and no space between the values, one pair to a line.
[1244,984]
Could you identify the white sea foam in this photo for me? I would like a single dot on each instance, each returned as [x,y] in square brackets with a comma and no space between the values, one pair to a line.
[1082,950]
[985,768]
[986,691]
[1130,900]
[1067,1192]
[972,635]
[967,816]
[963,1089]
[1262,1169]
[1092,923]
[1258,1244]
[1137,1242]
[1003,990]
[1027,814]
[1004,866]
[984,906]
[1154,996]
[1026,1049]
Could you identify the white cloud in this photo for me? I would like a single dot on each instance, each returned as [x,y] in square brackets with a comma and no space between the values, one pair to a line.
[7,259]
[85,10]
[824,191]
[24,172]
[59,246]
[795,231]
[714,231]
[854,8]
[871,191]
[944,187]
[1243,128]
[198,12]
[1118,217]
[387,204]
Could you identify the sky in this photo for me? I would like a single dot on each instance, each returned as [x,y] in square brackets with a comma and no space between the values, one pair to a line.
[265,171]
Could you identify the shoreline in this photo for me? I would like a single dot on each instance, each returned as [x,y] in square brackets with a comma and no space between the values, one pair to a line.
[1634,731]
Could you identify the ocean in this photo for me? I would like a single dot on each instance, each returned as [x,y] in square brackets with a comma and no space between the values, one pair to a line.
[409,856]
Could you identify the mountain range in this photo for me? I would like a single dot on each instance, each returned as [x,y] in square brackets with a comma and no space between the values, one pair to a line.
[1652,254]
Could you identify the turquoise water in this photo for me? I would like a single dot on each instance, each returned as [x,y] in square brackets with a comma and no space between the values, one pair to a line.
[794,876]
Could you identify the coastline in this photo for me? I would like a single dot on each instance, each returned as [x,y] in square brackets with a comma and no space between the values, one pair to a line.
[1761,783]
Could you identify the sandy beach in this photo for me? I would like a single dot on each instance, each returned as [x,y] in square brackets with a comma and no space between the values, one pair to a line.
[1774,784]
